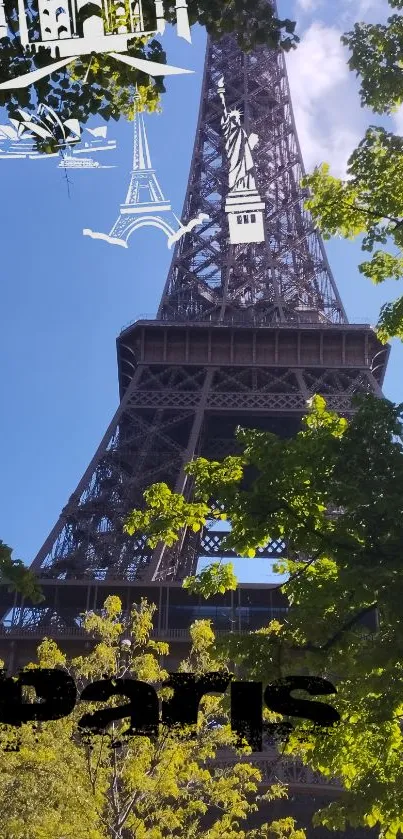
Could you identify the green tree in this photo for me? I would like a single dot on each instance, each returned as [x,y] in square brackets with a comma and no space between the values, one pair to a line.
[369,202]
[99,84]
[377,58]
[61,783]
[335,492]
[17,576]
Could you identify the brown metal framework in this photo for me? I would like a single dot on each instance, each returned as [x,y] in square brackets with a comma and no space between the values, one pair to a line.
[245,334]
[287,278]
[184,389]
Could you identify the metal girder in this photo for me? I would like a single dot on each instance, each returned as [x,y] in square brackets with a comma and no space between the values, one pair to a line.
[170,414]
[287,274]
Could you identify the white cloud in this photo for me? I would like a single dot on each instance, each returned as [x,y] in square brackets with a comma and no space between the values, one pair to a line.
[309,5]
[398,121]
[325,101]
[362,7]
[370,11]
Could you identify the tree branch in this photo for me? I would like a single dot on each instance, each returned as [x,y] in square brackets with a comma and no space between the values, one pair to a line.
[298,573]
[346,626]
[379,216]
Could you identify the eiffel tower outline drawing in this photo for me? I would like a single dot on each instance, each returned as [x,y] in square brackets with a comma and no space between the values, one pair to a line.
[145,204]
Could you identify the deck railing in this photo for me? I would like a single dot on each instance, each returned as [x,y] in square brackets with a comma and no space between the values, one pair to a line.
[17,632]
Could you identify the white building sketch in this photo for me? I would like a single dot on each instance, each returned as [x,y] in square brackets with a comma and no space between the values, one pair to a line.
[98,143]
[69,161]
[3,21]
[244,205]
[18,140]
[16,144]
[71,28]
[145,204]
[45,124]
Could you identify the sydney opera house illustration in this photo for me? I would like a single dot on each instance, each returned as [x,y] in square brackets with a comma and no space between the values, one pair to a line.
[18,139]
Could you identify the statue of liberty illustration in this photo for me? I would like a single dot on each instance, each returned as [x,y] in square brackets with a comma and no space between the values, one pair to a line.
[243,205]
[238,147]
[72,28]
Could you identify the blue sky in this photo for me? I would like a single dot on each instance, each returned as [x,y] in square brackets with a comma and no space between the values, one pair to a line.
[64,297]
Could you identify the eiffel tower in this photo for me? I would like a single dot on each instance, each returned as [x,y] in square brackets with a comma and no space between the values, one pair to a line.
[244,335]
[145,204]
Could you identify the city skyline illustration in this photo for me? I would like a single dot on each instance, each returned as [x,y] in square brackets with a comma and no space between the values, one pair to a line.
[84,27]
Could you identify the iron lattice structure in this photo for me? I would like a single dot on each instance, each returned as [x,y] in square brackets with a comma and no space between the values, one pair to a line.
[245,334]
[285,279]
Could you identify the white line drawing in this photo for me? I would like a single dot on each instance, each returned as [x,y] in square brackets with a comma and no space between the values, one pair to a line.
[244,205]
[68,161]
[3,21]
[20,136]
[20,145]
[99,141]
[145,204]
[47,125]
[58,23]
[183,28]
[104,236]
[186,228]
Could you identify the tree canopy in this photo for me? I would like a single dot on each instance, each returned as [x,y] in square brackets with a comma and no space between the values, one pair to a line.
[369,201]
[335,493]
[17,576]
[98,84]
[377,58]
[61,783]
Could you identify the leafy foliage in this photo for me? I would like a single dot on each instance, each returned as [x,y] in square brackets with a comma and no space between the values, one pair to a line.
[377,56]
[280,498]
[14,573]
[253,22]
[215,578]
[60,784]
[335,491]
[98,84]
[167,512]
[369,203]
